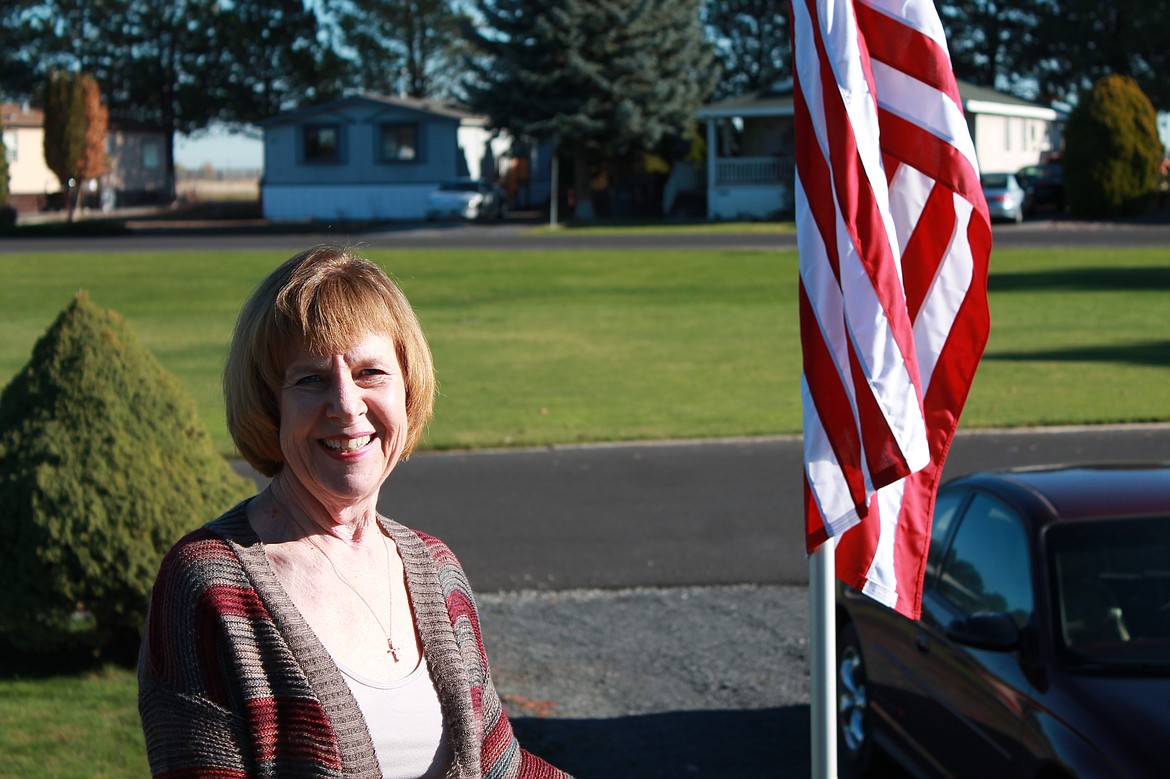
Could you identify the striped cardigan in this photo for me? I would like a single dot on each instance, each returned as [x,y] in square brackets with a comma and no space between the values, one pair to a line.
[233,682]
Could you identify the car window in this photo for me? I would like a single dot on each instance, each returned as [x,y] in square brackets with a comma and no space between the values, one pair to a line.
[986,567]
[1112,581]
[945,510]
[994,180]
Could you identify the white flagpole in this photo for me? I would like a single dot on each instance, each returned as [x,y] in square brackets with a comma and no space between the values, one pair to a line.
[823,660]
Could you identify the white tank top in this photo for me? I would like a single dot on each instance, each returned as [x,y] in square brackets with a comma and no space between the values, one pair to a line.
[405,722]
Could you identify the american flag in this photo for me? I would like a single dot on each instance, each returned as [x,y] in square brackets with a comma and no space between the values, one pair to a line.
[894,240]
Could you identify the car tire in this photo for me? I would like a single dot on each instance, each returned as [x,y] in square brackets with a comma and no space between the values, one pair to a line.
[854,736]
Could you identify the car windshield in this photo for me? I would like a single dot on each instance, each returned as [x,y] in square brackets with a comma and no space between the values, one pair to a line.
[1112,582]
[994,180]
[460,186]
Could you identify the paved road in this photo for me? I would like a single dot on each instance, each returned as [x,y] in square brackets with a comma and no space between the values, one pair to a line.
[669,514]
[518,237]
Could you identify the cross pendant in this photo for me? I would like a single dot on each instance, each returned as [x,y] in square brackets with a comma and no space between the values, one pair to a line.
[392,651]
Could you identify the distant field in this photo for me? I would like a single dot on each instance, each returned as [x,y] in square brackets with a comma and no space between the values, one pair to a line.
[210,189]
[538,348]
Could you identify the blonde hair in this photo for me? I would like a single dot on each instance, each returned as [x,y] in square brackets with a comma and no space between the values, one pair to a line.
[324,299]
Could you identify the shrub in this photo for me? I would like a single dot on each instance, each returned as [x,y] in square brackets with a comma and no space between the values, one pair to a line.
[1112,150]
[103,465]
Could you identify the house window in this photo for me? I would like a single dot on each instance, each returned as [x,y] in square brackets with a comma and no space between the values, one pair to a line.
[152,154]
[399,143]
[10,146]
[322,143]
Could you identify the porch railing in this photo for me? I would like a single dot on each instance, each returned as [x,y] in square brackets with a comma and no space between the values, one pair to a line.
[754,170]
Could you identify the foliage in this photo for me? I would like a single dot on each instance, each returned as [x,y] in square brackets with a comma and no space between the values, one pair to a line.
[103,465]
[270,58]
[1077,42]
[1112,150]
[75,130]
[988,39]
[606,80]
[752,43]
[179,64]
[418,40]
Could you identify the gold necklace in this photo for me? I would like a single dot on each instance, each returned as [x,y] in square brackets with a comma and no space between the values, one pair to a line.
[390,648]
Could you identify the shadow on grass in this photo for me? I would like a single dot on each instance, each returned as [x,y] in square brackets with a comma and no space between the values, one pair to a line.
[1150,353]
[732,744]
[17,662]
[1105,279]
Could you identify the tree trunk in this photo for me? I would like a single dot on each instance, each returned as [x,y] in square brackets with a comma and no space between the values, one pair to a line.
[583,185]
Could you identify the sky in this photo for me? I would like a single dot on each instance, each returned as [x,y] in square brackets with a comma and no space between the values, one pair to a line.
[222,149]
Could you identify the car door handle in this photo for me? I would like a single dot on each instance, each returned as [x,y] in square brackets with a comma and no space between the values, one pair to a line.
[922,641]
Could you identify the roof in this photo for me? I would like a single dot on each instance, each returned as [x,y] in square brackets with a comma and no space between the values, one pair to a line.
[777,101]
[445,109]
[21,115]
[1082,491]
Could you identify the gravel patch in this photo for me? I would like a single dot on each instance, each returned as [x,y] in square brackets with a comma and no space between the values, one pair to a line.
[678,682]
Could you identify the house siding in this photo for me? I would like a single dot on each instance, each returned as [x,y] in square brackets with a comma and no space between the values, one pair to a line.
[137,172]
[345,202]
[360,160]
[359,183]
[1008,143]
[30,180]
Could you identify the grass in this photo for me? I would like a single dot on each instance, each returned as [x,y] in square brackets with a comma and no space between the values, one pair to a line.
[536,348]
[72,727]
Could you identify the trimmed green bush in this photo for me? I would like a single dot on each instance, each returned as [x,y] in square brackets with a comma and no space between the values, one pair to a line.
[104,464]
[1112,150]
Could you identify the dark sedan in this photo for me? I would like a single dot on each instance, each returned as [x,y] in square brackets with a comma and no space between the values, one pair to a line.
[1043,187]
[1044,645]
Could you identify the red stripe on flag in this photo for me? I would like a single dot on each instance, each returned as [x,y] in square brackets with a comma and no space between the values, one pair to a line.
[860,210]
[905,49]
[831,400]
[924,248]
[925,151]
[814,180]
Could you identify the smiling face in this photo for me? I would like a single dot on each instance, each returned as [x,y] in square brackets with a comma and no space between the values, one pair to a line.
[343,422]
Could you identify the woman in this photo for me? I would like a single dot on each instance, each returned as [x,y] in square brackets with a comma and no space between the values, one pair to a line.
[302,634]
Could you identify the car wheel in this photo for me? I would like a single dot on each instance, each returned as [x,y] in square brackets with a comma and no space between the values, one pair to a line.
[854,740]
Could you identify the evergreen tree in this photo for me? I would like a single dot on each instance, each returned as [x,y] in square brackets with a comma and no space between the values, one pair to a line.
[603,78]
[408,46]
[103,465]
[1112,150]
[75,131]
[752,42]
[269,56]
[1076,42]
[988,40]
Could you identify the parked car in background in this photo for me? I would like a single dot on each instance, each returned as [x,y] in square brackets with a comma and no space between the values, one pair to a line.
[466,199]
[1004,195]
[1044,645]
[1043,187]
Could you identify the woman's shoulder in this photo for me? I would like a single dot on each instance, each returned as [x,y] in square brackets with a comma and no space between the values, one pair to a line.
[207,548]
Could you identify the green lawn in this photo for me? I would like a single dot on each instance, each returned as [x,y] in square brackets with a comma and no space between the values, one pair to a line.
[577,345]
[72,727]
[542,347]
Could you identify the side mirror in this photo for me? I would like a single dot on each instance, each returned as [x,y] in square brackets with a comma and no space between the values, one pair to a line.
[985,630]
